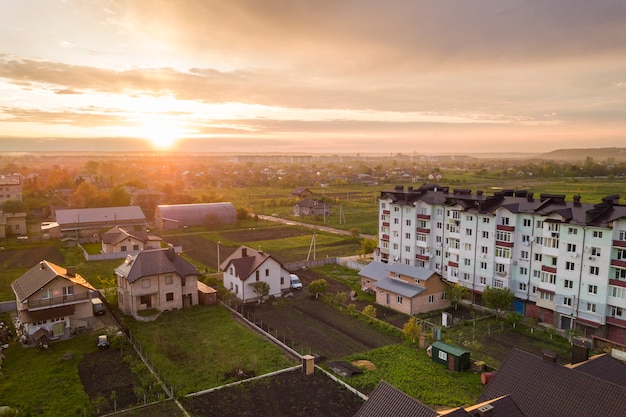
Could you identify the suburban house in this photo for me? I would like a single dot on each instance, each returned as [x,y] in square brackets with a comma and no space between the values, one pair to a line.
[302,193]
[157,279]
[177,216]
[311,207]
[122,241]
[247,266]
[405,288]
[12,224]
[87,224]
[526,385]
[52,302]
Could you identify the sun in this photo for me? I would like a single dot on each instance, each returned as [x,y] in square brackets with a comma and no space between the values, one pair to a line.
[162,134]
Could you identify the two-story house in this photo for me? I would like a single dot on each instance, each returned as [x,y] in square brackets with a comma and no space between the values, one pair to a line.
[121,240]
[158,279]
[247,266]
[52,300]
[405,288]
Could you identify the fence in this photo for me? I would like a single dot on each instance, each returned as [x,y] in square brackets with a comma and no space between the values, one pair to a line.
[296,266]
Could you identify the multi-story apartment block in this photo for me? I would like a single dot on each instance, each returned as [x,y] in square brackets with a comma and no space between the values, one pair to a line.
[10,188]
[565,261]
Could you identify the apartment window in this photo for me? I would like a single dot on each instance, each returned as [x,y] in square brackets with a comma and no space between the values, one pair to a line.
[595,251]
[498,283]
[383,205]
[567,301]
[505,221]
[591,307]
[421,224]
[539,224]
[439,211]
[466,276]
[485,234]
[467,262]
[503,236]
[568,283]
[399,300]
[407,236]
[553,261]
[572,231]
[395,246]
[169,296]
[468,232]
[526,222]
[483,280]
[569,266]
[523,270]
[407,249]
[431,298]
[538,257]
[592,289]
[617,292]
[408,222]
[396,209]
[536,273]
[548,278]
[533,289]
[439,225]
[597,234]
[547,296]
[467,246]
[620,274]
[68,290]
[484,250]
[485,220]
[594,270]
[169,279]
[469,218]
[571,247]
[621,254]
[396,221]
[539,240]
[622,235]
[421,237]
[522,286]
[483,266]
[526,239]
[616,311]
[503,252]
[524,254]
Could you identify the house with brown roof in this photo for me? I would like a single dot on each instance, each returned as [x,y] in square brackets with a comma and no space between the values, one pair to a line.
[158,279]
[302,192]
[311,207]
[247,266]
[52,301]
[121,241]
[405,288]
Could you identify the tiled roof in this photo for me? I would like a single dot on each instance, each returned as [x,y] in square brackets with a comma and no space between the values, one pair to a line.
[246,260]
[388,401]
[604,367]
[154,262]
[41,274]
[397,286]
[542,388]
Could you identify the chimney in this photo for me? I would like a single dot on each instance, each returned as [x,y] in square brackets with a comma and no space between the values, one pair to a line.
[484,411]
[42,265]
[244,252]
[308,364]
[577,200]
[580,350]
[549,356]
[529,196]
[171,253]
[71,271]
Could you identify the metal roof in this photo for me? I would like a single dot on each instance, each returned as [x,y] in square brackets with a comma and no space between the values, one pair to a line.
[397,286]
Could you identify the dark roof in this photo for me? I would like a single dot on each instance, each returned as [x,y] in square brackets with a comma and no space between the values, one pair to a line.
[246,260]
[154,262]
[301,190]
[312,203]
[543,388]
[604,367]
[388,401]
[398,286]
[118,234]
[501,407]
[41,274]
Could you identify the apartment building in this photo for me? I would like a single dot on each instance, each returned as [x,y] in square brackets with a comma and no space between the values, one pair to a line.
[565,261]
[10,188]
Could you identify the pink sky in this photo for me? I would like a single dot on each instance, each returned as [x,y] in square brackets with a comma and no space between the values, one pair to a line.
[313,76]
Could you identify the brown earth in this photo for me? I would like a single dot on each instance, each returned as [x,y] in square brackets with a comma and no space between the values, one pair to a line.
[27,258]
[289,394]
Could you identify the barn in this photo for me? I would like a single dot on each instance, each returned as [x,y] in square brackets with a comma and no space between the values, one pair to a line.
[204,214]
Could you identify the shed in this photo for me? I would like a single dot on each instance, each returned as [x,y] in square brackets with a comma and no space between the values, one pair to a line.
[454,357]
[206,295]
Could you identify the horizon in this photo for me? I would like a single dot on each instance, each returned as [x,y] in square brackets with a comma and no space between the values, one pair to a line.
[296,77]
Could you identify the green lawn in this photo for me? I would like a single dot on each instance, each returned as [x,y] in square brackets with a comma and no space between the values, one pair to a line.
[194,348]
[412,371]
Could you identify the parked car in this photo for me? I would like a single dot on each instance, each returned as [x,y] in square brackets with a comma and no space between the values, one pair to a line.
[103,342]
[295,282]
[98,306]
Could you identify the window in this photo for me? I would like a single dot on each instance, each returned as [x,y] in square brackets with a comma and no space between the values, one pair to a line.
[616,311]
[267,272]
[431,298]
[526,222]
[46,294]
[591,307]
[505,221]
[169,296]
[571,247]
[467,246]
[569,266]
[395,246]
[407,235]
[466,276]
[548,277]
[282,280]
[592,289]
[526,239]
[622,235]
[617,292]
[567,301]
[485,220]
[595,251]
[469,218]
[439,225]
[169,279]
[547,296]
[503,252]
[538,257]
[523,270]
[597,234]
[257,275]
[444,295]
[135,247]
[408,222]
[536,273]
[503,236]
[396,221]
[123,248]
[144,299]
[407,249]
[68,290]
[467,262]
[572,231]
[553,260]
[522,286]
[468,232]
[539,224]
[399,299]
[524,254]
[500,268]
[485,234]
[594,270]
[443,356]
[396,209]
[439,211]
[498,283]
[483,280]
[568,283]
[484,250]
[145,283]
[483,266]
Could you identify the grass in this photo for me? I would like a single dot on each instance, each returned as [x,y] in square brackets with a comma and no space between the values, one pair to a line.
[412,371]
[44,383]
[194,348]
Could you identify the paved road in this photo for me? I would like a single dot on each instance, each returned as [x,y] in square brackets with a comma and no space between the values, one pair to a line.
[313,226]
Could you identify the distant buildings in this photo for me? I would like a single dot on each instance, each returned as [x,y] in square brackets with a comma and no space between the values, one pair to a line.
[565,261]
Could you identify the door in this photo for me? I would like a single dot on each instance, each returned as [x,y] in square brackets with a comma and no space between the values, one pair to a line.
[451,362]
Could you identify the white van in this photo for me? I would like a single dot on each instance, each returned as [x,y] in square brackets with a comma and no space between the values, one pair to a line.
[295,282]
[98,306]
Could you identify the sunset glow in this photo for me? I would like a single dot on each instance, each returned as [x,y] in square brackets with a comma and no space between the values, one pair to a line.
[161,134]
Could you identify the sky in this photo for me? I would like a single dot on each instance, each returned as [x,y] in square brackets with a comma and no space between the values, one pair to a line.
[322,76]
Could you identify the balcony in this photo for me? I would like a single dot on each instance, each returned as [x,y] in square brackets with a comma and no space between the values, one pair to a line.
[618,262]
[422,230]
[385,237]
[616,322]
[504,244]
[386,211]
[549,269]
[422,257]
[547,287]
[505,228]
[619,243]
[57,301]
[453,264]
[385,224]
[423,216]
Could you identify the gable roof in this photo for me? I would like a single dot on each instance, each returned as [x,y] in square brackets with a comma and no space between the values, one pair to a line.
[388,401]
[300,191]
[400,287]
[312,203]
[246,260]
[117,234]
[154,262]
[375,270]
[605,367]
[416,272]
[41,274]
[542,388]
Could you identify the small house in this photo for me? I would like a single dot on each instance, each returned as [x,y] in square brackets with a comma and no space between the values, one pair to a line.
[454,357]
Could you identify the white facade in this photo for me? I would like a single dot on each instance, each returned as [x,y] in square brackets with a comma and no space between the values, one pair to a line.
[565,261]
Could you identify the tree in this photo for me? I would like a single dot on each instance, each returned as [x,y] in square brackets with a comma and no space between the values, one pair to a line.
[370,311]
[367,246]
[412,329]
[318,286]
[456,294]
[261,289]
[13,206]
[499,299]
